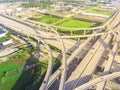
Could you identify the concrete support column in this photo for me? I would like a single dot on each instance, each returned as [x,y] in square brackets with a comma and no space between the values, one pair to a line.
[71,32]
[84,32]
[78,39]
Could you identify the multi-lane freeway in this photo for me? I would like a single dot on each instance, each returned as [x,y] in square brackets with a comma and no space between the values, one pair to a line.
[32,32]
[92,59]
[88,54]
[86,68]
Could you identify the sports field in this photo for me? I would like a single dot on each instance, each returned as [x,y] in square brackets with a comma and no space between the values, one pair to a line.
[74,23]
[98,12]
[46,19]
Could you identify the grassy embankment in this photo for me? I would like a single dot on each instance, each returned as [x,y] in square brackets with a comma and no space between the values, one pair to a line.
[13,76]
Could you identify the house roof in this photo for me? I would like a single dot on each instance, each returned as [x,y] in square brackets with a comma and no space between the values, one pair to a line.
[1,32]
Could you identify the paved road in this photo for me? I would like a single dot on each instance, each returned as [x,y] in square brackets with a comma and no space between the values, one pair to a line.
[108,66]
[97,50]
[96,81]
[86,68]
[75,54]
[32,32]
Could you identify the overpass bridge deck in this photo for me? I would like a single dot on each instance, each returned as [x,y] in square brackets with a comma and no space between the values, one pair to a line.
[85,69]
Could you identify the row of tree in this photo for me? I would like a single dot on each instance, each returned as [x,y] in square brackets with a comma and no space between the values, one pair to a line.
[35,0]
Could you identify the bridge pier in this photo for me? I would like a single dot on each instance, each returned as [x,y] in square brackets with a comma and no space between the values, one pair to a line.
[78,39]
[28,37]
[71,32]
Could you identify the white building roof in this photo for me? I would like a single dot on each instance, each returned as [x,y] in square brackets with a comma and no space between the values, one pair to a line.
[97,15]
[7,42]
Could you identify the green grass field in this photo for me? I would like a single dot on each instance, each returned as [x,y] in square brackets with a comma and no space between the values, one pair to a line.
[10,72]
[76,24]
[17,82]
[99,12]
[13,78]
[5,38]
[46,19]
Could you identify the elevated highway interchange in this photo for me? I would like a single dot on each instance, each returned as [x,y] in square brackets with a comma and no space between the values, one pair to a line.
[88,60]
